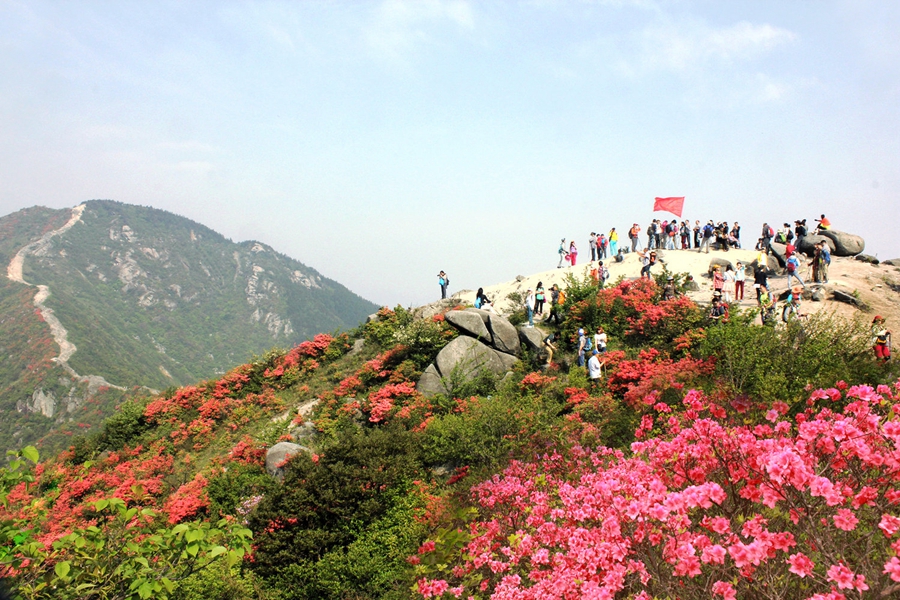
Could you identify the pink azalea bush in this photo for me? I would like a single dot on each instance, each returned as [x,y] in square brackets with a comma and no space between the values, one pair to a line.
[806,506]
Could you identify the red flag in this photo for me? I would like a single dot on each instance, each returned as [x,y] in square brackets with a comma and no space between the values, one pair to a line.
[672,205]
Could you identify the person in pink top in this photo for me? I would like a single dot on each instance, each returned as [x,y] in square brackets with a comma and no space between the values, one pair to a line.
[573,253]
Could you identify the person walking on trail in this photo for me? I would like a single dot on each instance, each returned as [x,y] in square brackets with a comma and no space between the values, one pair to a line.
[563,253]
[707,234]
[595,368]
[592,242]
[529,306]
[539,299]
[613,238]
[792,268]
[573,252]
[444,282]
[557,299]
[647,260]
[791,308]
[549,347]
[582,347]
[881,339]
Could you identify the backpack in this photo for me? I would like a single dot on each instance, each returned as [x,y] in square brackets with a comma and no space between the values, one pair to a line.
[562,298]
[771,232]
[707,231]
[588,346]
[792,265]
[781,238]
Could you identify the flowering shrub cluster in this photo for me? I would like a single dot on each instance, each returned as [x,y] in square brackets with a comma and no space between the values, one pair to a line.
[802,507]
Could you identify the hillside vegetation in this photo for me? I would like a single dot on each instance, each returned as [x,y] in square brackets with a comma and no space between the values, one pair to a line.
[150,300]
[711,460]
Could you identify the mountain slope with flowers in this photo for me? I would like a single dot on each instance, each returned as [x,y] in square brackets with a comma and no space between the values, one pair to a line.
[723,460]
[112,297]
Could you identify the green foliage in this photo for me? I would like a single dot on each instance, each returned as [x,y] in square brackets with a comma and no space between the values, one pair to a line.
[578,289]
[327,504]
[228,489]
[221,582]
[124,426]
[516,313]
[126,556]
[490,430]
[422,338]
[778,363]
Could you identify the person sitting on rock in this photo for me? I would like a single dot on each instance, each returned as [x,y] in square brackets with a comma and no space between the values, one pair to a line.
[823,224]
[719,310]
[669,292]
[881,339]
[482,301]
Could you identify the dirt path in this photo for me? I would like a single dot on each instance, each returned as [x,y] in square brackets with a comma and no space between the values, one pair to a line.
[14,272]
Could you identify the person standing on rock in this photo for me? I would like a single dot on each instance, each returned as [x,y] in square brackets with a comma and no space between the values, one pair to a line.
[554,304]
[760,279]
[824,260]
[766,237]
[539,299]
[736,234]
[601,246]
[592,242]
[707,235]
[740,276]
[881,339]
[613,241]
[529,306]
[697,229]
[573,253]
[444,281]
[728,286]
[563,254]
[633,234]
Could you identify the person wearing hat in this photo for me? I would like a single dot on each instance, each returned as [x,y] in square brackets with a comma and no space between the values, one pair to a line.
[792,305]
[881,339]
[582,347]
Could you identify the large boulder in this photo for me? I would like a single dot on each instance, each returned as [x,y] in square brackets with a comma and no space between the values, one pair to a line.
[779,251]
[430,383]
[505,336]
[426,311]
[807,244]
[846,298]
[866,258]
[772,267]
[844,244]
[467,357]
[278,454]
[469,323]
[722,263]
[532,338]
[891,262]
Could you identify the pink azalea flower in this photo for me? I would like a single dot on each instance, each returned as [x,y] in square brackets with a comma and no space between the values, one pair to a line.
[845,519]
[800,564]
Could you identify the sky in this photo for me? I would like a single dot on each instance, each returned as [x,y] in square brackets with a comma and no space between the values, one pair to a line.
[380,142]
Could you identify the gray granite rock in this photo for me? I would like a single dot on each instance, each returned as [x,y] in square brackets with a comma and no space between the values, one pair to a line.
[469,323]
[867,259]
[430,383]
[808,243]
[845,244]
[278,454]
[505,337]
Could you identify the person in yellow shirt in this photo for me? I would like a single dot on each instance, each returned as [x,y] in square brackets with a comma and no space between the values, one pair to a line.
[613,238]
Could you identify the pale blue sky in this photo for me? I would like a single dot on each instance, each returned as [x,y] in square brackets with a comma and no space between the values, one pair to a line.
[379,142]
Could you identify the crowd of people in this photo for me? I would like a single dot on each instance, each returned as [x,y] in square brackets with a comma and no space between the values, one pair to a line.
[728,282]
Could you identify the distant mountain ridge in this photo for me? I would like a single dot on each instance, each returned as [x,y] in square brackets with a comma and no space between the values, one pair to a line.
[145,298]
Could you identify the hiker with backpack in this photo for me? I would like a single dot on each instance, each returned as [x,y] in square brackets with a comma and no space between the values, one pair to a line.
[557,299]
[584,345]
[791,308]
[601,246]
[881,339]
[792,268]
[766,238]
[633,236]
[707,234]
